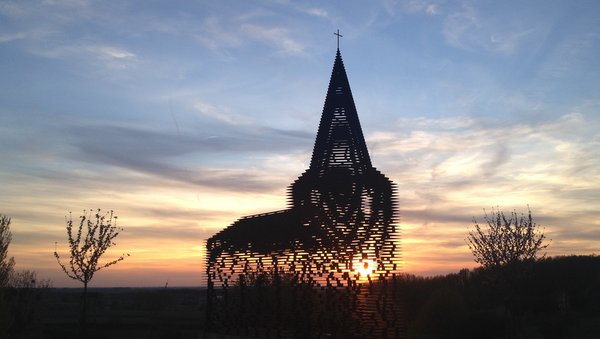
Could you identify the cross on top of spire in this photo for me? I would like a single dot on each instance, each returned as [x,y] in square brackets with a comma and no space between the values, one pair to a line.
[338,38]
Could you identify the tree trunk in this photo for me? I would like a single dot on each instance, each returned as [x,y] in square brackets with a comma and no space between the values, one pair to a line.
[83,319]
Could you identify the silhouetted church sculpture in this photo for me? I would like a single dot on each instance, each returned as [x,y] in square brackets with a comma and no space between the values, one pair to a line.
[324,266]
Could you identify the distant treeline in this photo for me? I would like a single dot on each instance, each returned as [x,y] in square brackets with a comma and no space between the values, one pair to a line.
[554,297]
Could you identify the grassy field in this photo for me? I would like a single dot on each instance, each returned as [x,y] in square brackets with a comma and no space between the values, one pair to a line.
[121,313]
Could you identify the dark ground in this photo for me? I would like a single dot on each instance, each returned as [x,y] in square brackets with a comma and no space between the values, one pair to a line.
[127,313]
[552,298]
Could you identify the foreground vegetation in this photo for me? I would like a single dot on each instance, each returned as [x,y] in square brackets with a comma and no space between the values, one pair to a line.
[555,297]
[126,313]
[552,298]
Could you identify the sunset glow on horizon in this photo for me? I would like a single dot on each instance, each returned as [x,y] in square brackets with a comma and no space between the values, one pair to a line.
[184,117]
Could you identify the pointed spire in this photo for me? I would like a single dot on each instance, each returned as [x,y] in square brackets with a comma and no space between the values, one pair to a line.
[340,142]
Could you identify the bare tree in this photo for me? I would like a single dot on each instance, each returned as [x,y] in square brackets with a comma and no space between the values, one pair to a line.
[6,271]
[506,241]
[94,235]
[6,263]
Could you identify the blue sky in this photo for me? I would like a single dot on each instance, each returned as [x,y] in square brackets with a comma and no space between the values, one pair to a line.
[184,115]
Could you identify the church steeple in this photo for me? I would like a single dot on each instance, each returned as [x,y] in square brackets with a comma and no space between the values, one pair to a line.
[340,142]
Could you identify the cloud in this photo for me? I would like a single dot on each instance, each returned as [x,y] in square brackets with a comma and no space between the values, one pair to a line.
[89,55]
[508,42]
[501,157]
[12,37]
[220,29]
[68,3]
[447,174]
[161,154]
[108,52]
[222,32]
[175,232]
[61,30]
[467,29]
[220,113]
[570,56]
[422,6]
[217,35]
[50,15]
[112,57]
[319,12]
[432,215]
[277,36]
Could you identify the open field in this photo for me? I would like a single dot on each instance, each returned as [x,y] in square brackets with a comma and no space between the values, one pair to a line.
[121,313]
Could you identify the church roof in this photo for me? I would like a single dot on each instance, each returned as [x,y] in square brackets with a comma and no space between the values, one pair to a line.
[340,142]
[324,199]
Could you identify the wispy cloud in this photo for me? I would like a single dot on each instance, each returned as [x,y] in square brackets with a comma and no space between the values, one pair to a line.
[218,35]
[89,55]
[221,33]
[422,6]
[160,154]
[220,113]
[316,11]
[570,56]
[277,36]
[49,14]
[112,57]
[447,175]
[12,36]
[468,29]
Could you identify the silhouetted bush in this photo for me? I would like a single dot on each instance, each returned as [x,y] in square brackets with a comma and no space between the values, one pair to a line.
[21,305]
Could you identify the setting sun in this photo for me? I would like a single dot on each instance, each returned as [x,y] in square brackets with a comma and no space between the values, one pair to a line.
[363,269]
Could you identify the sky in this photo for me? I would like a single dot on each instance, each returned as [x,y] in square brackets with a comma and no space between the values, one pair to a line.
[183,116]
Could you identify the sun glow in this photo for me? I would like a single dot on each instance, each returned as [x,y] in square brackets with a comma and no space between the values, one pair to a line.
[364,269]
